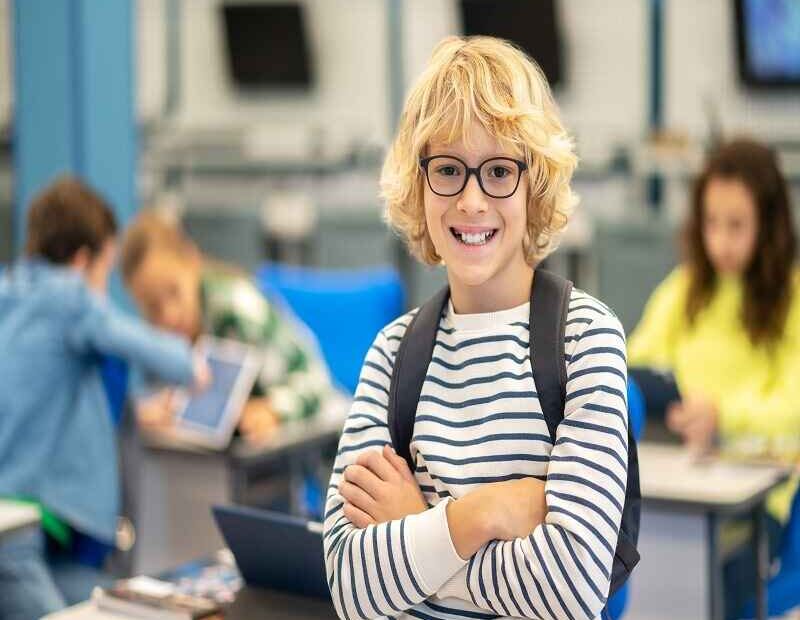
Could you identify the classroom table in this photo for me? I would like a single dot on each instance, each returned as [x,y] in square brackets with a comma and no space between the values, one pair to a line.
[176,484]
[684,504]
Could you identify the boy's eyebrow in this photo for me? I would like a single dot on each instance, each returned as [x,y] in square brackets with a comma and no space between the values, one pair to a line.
[450,153]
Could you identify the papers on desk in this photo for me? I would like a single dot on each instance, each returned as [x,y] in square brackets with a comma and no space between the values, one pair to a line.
[143,597]
[195,590]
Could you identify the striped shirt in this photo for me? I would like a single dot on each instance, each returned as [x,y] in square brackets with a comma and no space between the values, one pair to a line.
[479,421]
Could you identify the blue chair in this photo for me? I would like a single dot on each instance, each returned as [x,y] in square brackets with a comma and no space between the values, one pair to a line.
[344,308]
[615,607]
[783,590]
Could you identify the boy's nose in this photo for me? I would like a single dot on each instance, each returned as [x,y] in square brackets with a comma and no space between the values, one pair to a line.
[472,198]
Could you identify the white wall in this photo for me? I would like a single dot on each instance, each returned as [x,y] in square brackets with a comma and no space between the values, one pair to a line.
[347,102]
[700,67]
[604,101]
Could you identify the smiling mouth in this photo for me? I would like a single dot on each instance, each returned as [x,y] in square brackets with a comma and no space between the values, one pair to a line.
[479,238]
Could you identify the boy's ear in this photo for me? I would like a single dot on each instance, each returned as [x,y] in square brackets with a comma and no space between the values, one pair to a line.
[81,259]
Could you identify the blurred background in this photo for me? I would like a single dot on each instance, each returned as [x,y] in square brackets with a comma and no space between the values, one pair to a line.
[265,123]
[263,126]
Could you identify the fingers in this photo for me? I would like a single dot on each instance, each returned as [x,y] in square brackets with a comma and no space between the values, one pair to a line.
[357,497]
[202,373]
[364,479]
[399,463]
[699,433]
[678,417]
[156,410]
[357,517]
[378,465]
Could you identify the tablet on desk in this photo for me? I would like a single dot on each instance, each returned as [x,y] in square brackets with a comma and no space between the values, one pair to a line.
[209,418]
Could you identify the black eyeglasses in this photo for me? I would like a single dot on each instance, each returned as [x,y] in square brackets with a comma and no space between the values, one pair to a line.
[498,177]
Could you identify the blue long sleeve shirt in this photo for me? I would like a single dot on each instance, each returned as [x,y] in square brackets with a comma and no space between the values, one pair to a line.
[57,440]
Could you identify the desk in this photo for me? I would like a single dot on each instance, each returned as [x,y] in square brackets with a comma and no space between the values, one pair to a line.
[176,484]
[683,507]
[251,604]
[15,516]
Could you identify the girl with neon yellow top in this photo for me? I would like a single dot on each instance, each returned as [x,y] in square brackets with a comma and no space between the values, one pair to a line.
[727,321]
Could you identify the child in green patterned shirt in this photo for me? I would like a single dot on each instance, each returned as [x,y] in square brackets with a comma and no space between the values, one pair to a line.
[178,289]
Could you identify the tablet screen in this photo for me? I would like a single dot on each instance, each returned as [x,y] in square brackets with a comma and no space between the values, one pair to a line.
[207,409]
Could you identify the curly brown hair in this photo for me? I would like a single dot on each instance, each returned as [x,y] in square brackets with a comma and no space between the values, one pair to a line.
[768,277]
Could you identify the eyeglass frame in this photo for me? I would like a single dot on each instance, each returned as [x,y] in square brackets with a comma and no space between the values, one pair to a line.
[425,161]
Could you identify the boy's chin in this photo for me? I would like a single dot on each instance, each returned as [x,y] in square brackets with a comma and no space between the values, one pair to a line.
[471,277]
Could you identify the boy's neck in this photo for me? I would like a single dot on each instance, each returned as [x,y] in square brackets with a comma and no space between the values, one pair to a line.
[503,292]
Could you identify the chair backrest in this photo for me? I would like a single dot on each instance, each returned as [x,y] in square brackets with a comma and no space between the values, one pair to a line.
[344,309]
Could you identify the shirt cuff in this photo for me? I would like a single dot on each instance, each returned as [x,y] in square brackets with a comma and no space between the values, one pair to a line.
[432,552]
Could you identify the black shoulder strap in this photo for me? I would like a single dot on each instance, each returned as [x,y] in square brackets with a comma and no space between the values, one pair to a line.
[410,367]
[549,306]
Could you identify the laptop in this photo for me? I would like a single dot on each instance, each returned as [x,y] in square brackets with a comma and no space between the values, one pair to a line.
[274,550]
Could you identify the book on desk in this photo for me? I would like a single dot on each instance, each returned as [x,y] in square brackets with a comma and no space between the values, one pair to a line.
[142,597]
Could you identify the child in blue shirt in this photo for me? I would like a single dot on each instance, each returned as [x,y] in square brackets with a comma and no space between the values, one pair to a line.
[57,443]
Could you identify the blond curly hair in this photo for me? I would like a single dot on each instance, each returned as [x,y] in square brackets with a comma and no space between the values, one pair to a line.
[491,81]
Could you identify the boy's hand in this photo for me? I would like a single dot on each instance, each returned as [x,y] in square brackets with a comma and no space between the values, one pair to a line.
[156,412]
[517,507]
[496,511]
[259,420]
[378,488]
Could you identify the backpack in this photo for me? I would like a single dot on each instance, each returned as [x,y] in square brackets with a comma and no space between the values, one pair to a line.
[549,306]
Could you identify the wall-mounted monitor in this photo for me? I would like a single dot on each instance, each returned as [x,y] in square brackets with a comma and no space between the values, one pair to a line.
[267,45]
[768,43]
[533,25]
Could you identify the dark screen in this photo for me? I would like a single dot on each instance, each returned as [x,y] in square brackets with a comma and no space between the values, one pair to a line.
[530,24]
[267,45]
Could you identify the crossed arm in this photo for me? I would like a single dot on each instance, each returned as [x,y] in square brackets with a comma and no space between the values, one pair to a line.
[379,487]
[500,547]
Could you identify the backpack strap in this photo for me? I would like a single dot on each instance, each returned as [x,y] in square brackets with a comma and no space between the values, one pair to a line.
[408,375]
[548,318]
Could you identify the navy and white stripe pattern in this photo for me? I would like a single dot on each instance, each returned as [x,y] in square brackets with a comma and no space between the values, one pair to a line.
[479,421]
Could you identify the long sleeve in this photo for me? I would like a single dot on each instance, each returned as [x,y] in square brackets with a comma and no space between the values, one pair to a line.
[762,414]
[653,341]
[392,567]
[102,328]
[292,374]
[562,569]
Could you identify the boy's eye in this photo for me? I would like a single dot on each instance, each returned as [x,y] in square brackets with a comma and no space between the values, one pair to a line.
[447,171]
[499,172]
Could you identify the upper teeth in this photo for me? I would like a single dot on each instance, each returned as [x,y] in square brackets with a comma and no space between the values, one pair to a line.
[474,238]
